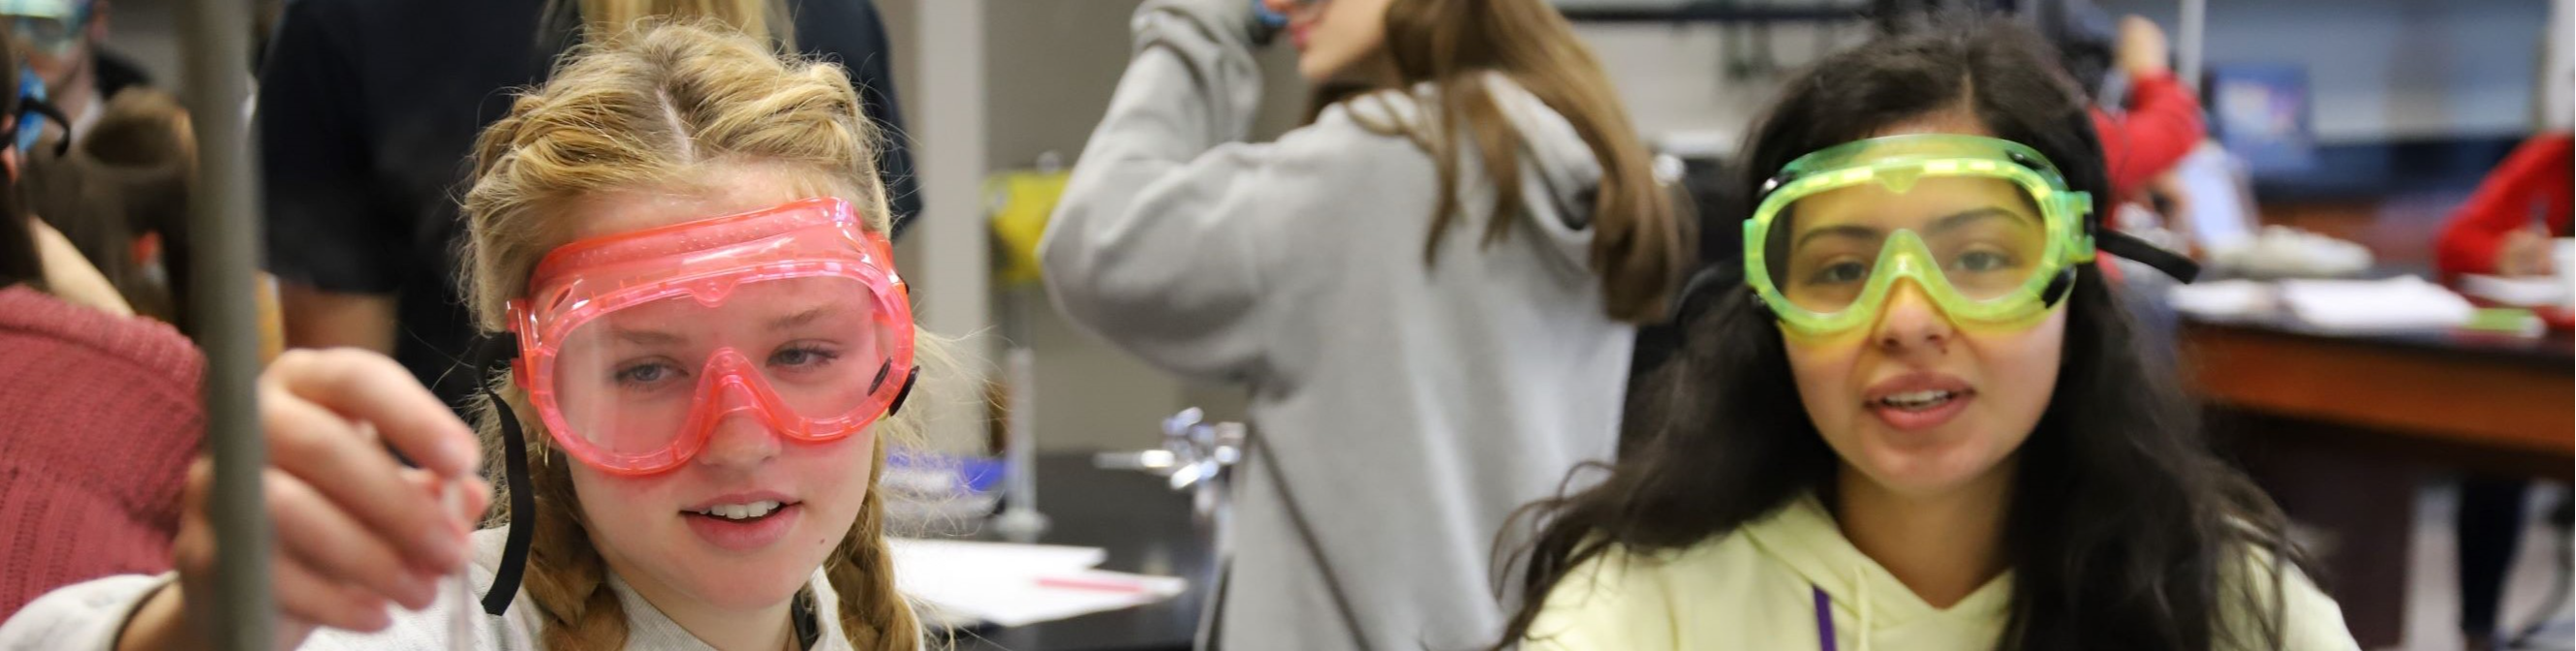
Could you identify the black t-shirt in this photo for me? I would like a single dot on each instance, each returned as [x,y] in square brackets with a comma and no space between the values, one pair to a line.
[367,115]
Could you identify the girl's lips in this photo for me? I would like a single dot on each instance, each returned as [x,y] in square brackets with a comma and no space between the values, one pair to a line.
[1913,382]
[1916,420]
[741,498]
[746,535]
[1908,414]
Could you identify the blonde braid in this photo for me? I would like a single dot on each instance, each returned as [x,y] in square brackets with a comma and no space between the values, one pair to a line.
[566,576]
[873,615]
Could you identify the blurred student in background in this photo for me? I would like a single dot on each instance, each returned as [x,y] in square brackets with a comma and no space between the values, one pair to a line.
[1430,289]
[366,110]
[703,474]
[2505,228]
[64,42]
[2156,121]
[120,196]
[1912,415]
[52,261]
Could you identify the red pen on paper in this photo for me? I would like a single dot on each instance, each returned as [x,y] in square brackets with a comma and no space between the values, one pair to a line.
[1096,585]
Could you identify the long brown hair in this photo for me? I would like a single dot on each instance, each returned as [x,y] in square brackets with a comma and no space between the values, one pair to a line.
[651,107]
[1641,235]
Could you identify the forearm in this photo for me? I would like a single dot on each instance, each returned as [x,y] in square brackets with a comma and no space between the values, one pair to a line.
[69,275]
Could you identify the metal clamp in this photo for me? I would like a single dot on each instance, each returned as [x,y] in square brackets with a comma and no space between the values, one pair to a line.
[1195,454]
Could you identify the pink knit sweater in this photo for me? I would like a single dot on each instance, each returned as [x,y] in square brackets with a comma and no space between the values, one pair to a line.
[100,416]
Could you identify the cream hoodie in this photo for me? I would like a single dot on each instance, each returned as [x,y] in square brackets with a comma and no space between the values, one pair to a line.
[1756,589]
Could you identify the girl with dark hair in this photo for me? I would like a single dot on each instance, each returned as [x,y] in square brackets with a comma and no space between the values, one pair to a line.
[1977,456]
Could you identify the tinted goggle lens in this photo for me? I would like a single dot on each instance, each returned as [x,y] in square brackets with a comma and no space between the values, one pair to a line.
[813,357]
[1986,236]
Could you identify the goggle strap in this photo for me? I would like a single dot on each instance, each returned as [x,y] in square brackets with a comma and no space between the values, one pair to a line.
[2128,246]
[910,378]
[38,106]
[500,351]
[2058,288]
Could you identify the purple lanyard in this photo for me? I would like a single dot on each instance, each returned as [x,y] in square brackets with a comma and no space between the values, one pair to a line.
[1824,618]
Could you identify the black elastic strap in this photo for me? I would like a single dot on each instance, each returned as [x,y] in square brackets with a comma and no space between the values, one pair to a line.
[909,379]
[47,109]
[802,618]
[2129,246]
[500,351]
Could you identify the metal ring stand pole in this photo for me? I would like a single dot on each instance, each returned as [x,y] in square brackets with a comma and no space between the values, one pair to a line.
[215,37]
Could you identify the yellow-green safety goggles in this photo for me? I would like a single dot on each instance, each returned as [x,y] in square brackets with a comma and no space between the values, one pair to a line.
[1985,227]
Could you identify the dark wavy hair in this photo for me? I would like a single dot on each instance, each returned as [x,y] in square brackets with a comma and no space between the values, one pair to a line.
[2125,531]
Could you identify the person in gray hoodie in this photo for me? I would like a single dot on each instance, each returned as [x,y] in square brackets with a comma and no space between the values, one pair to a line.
[1431,289]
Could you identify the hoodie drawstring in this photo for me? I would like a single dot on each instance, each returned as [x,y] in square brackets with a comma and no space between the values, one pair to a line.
[1824,620]
[1825,612]
[1860,574]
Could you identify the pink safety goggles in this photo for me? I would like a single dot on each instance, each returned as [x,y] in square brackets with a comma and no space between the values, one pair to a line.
[635,347]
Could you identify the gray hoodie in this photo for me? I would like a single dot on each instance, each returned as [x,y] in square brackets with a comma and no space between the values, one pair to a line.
[1408,409]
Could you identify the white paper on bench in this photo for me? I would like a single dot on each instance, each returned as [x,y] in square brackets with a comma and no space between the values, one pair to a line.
[1007,584]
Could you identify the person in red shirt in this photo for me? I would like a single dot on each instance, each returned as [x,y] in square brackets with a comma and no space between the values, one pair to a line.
[2504,229]
[2162,122]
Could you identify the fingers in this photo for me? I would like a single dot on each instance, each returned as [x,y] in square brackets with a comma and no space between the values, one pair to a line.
[471,498]
[332,456]
[327,570]
[356,532]
[316,535]
[475,500]
[302,595]
[371,388]
[354,475]
[307,595]
[192,551]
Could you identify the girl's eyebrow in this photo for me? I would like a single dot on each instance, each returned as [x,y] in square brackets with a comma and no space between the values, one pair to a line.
[645,337]
[1944,223]
[808,315]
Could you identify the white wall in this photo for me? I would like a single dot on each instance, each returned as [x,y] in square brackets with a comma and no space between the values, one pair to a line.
[2558,74]
[1673,79]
